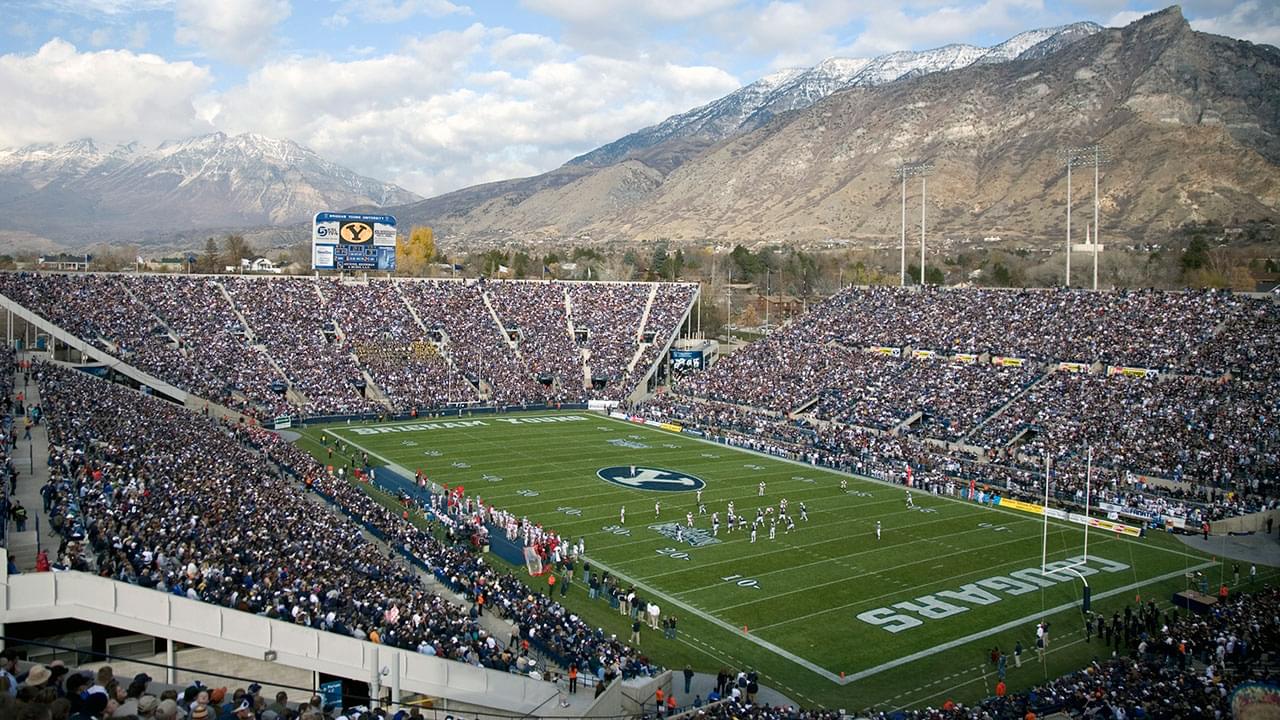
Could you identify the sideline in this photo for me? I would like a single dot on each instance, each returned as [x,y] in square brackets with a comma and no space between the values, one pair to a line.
[807,664]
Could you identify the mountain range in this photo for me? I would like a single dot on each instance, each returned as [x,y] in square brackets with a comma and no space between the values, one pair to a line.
[1191,121]
[78,193]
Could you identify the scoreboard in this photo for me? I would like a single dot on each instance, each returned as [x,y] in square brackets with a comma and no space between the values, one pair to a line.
[353,241]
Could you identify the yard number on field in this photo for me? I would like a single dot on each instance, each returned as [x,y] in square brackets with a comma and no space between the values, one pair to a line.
[742,582]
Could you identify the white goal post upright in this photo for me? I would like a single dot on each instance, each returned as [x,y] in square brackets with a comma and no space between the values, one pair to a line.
[1044,551]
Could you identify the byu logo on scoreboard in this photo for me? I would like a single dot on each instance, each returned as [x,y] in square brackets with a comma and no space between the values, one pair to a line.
[650,478]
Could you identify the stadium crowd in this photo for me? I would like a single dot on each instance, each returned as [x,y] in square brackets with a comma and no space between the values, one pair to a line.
[124,464]
[610,313]
[1136,328]
[390,344]
[245,341]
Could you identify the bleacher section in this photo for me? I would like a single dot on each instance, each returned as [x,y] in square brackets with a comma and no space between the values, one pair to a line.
[319,346]
[984,384]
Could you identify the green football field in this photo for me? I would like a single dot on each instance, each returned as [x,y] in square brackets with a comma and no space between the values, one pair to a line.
[829,613]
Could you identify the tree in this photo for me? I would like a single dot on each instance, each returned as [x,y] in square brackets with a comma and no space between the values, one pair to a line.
[521,264]
[414,254]
[210,261]
[493,261]
[237,249]
[1196,255]
[746,264]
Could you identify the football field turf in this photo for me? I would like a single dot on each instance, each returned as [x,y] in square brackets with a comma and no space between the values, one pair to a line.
[827,612]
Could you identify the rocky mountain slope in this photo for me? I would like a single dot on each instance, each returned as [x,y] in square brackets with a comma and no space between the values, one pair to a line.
[78,192]
[1191,120]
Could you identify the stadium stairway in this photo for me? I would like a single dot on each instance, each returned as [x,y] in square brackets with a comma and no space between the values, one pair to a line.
[409,306]
[248,329]
[155,316]
[31,460]
[497,321]
[1006,405]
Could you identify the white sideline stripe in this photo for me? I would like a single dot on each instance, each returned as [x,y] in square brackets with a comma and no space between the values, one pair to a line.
[1014,623]
[807,664]
[685,606]
[886,483]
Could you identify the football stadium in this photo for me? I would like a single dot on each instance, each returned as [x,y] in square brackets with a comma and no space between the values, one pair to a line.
[903,502]
[711,360]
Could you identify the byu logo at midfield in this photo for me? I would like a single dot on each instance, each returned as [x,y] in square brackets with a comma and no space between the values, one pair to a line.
[650,478]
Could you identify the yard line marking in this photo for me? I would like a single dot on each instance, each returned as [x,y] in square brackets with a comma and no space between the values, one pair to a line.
[781,652]
[807,664]
[865,478]
[1014,623]
[878,572]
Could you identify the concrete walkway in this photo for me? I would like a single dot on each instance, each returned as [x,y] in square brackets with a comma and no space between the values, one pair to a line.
[31,460]
[1256,548]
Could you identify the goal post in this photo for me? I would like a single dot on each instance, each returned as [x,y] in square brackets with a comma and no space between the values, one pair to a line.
[1061,567]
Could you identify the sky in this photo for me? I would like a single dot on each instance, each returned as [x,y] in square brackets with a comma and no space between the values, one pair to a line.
[436,95]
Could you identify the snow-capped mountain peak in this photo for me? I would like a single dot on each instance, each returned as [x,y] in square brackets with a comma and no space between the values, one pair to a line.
[212,180]
[793,89]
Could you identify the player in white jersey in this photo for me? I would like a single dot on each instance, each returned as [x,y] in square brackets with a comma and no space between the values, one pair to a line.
[688,519]
[699,497]
[773,530]
[715,524]
[753,533]
[622,515]
[877,529]
[804,512]
[910,503]
[761,493]
[657,508]
[844,484]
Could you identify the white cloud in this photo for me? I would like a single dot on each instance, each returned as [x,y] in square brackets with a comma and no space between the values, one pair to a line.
[788,33]
[138,35]
[106,7]
[1124,17]
[890,27]
[522,49]
[433,126]
[391,11]
[236,30]
[59,93]
[21,29]
[100,37]
[1251,20]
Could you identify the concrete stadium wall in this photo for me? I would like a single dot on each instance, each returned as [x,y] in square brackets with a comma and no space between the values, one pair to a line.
[34,597]
[1256,522]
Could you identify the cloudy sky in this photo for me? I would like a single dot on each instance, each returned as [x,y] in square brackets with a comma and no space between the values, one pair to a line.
[441,94]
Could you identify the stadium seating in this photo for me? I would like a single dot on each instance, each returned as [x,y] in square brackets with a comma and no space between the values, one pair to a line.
[373,346]
[874,379]
[125,465]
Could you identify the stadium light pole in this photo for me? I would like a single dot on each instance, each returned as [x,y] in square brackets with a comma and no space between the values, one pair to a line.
[902,172]
[1094,155]
[1099,156]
